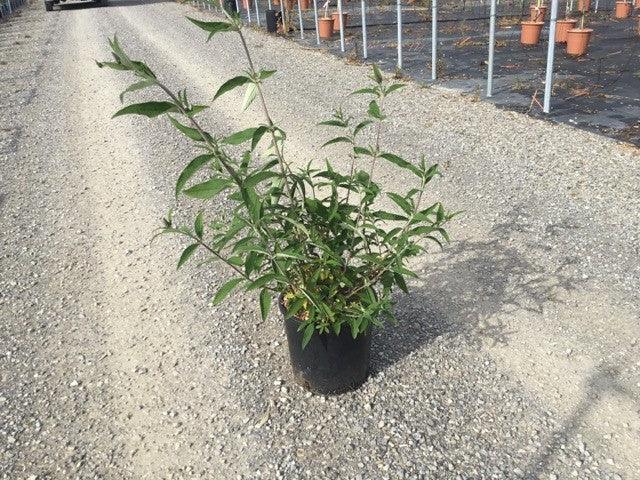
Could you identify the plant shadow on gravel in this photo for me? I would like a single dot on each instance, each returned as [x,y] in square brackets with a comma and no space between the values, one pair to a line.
[470,287]
[602,382]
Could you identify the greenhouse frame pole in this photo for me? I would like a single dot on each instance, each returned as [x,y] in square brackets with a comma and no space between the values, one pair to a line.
[548,83]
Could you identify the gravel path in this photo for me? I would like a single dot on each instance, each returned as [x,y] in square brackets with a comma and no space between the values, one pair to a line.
[517,357]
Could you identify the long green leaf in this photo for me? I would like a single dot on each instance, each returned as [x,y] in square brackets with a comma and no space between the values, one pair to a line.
[240,137]
[186,254]
[208,189]
[148,109]
[224,291]
[212,27]
[192,133]
[402,163]
[193,166]
[265,303]
[231,84]
[136,86]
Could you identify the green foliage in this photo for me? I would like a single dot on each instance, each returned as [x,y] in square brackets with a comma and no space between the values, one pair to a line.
[318,235]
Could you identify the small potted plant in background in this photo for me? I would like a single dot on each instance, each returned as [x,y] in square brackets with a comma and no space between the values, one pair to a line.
[563,26]
[336,20]
[316,239]
[584,5]
[623,9]
[578,38]
[530,31]
[325,23]
[537,12]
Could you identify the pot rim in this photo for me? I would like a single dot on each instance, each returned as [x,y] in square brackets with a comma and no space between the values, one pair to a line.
[531,22]
[580,30]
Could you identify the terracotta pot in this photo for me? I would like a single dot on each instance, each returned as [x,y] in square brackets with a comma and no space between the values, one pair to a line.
[276,2]
[325,27]
[584,5]
[578,41]
[336,20]
[245,4]
[637,4]
[623,10]
[304,4]
[530,32]
[537,14]
[562,27]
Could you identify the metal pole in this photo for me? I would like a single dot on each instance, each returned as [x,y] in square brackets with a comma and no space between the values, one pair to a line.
[9,4]
[364,28]
[315,19]
[257,12]
[269,4]
[237,7]
[248,9]
[300,18]
[282,14]
[399,22]
[434,37]
[550,50]
[341,26]
[492,42]
[596,7]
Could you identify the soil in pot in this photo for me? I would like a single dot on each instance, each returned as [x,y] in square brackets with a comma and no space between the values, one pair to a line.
[584,5]
[578,41]
[325,27]
[336,20]
[537,14]
[623,10]
[562,27]
[530,32]
[330,363]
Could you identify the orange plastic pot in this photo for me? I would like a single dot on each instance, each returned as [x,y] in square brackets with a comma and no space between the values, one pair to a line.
[325,27]
[562,27]
[304,4]
[623,10]
[637,4]
[537,14]
[578,41]
[584,5]
[336,20]
[530,32]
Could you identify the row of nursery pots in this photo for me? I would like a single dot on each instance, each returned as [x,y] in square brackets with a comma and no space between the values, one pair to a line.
[576,38]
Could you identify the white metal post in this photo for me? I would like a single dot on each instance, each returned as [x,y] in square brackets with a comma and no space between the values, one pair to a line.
[341,26]
[363,7]
[550,51]
[399,22]
[237,8]
[248,9]
[282,14]
[315,19]
[492,43]
[300,18]
[257,12]
[269,4]
[434,37]
[9,5]
[596,7]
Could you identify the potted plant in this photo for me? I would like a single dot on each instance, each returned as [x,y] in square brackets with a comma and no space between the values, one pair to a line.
[537,12]
[623,9]
[325,24]
[336,20]
[562,27]
[316,239]
[530,32]
[578,38]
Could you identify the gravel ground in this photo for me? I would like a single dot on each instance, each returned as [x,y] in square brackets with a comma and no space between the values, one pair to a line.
[516,357]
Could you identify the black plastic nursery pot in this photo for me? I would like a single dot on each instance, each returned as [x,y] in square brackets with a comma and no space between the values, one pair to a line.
[330,363]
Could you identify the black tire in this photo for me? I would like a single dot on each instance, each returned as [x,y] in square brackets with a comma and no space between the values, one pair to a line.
[48,6]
